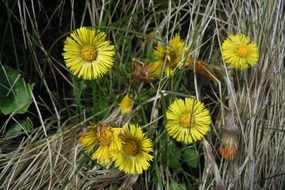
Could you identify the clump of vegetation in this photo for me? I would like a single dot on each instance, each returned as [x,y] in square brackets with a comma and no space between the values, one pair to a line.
[142,95]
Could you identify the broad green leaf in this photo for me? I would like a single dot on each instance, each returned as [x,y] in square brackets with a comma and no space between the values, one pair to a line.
[191,157]
[15,94]
[173,155]
[176,186]
[19,128]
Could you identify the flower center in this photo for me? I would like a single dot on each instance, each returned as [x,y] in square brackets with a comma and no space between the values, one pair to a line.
[243,50]
[131,148]
[88,53]
[105,137]
[187,120]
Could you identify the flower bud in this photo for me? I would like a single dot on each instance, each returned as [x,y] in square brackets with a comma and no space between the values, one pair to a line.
[229,145]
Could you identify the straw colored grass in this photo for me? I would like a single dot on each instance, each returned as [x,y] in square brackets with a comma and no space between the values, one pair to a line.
[51,158]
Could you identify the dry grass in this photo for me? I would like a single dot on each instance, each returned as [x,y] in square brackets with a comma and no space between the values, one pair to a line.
[50,157]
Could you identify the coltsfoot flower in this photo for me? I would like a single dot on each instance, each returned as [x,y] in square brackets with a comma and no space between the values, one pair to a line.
[141,72]
[126,104]
[134,155]
[102,137]
[172,55]
[187,120]
[202,68]
[239,52]
[88,54]
[229,145]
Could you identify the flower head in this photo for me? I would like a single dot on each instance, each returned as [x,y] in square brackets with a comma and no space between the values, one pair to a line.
[229,145]
[239,52]
[126,104]
[188,120]
[172,56]
[202,68]
[88,54]
[103,137]
[141,72]
[133,157]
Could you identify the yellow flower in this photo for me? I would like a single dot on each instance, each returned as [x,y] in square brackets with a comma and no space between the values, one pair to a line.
[172,55]
[239,52]
[188,120]
[229,145]
[133,157]
[88,54]
[126,104]
[103,137]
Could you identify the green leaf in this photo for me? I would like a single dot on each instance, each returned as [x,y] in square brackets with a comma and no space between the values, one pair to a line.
[176,186]
[173,155]
[19,128]
[191,157]
[15,94]
[149,50]
[157,177]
